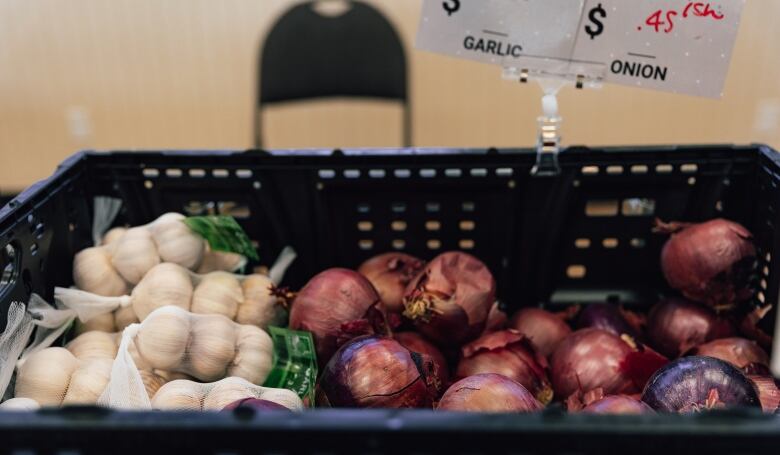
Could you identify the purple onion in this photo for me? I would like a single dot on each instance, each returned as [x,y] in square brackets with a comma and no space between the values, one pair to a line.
[692,384]
[607,317]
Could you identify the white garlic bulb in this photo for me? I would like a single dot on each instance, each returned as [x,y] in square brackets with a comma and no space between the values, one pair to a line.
[93,271]
[101,323]
[254,355]
[93,345]
[164,285]
[218,293]
[45,376]
[227,391]
[176,242]
[113,235]
[162,339]
[212,347]
[178,395]
[88,381]
[123,317]
[134,254]
[221,260]
[260,308]
[20,404]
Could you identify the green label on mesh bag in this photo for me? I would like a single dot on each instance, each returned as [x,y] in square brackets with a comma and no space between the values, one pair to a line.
[295,363]
[223,234]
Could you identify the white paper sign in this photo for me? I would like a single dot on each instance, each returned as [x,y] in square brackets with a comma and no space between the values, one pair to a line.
[671,45]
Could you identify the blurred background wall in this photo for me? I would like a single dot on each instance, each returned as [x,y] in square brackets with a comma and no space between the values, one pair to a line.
[182,74]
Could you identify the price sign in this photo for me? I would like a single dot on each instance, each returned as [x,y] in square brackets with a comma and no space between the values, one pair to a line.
[671,45]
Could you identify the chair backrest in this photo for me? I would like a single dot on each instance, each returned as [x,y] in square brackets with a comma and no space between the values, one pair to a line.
[307,55]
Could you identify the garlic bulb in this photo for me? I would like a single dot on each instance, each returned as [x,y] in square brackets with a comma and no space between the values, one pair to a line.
[93,345]
[113,235]
[212,348]
[102,323]
[152,381]
[94,272]
[165,284]
[20,404]
[176,242]
[88,381]
[218,293]
[260,308]
[134,254]
[162,340]
[221,260]
[188,395]
[123,317]
[45,376]
[178,394]
[227,391]
[254,358]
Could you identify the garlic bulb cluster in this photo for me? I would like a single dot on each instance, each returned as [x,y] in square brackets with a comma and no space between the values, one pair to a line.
[206,347]
[193,396]
[214,261]
[101,345]
[126,255]
[54,376]
[246,299]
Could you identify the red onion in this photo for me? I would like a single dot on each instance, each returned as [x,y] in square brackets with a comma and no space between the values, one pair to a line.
[416,343]
[593,358]
[768,392]
[743,354]
[335,306]
[450,299]
[676,325]
[692,384]
[607,317]
[390,273]
[488,393]
[618,404]
[709,262]
[497,319]
[545,330]
[508,353]
[256,404]
[377,372]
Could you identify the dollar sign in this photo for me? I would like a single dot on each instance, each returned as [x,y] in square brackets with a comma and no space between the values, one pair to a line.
[451,6]
[593,15]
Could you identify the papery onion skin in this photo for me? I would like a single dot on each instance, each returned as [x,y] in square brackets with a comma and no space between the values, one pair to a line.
[710,262]
[488,393]
[768,392]
[590,359]
[618,404]
[607,317]
[330,302]
[689,384]
[545,329]
[256,404]
[416,343]
[497,319]
[377,372]
[744,354]
[676,325]
[449,301]
[509,354]
[390,273]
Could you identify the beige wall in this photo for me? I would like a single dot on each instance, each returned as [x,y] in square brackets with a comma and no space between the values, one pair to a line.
[180,74]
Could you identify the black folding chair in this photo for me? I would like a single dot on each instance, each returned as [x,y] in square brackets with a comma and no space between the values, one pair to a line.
[307,55]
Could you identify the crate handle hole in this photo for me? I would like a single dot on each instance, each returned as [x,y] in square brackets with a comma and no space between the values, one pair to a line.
[576,272]
[601,208]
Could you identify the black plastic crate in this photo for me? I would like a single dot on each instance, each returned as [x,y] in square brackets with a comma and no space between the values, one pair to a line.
[582,236]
